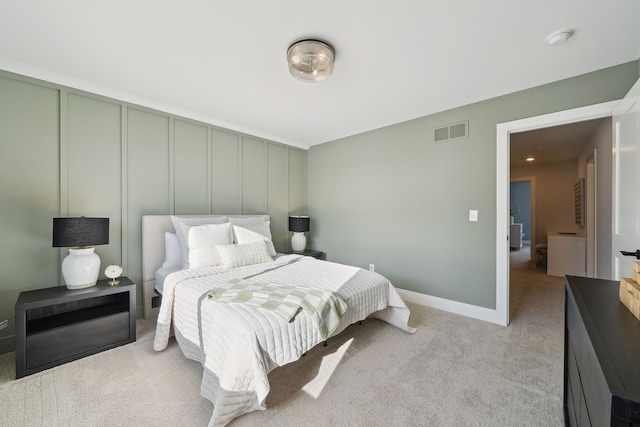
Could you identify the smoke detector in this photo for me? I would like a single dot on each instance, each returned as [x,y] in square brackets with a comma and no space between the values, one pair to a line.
[559,37]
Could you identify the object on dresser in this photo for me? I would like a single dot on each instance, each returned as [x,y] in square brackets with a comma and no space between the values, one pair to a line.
[299,224]
[630,291]
[81,267]
[630,296]
[113,271]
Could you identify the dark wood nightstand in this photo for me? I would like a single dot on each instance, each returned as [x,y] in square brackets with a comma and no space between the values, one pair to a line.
[57,325]
[308,252]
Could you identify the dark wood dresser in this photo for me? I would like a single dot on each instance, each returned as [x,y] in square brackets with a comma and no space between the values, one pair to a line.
[601,356]
[57,325]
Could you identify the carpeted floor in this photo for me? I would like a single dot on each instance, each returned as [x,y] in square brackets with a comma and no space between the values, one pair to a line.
[454,371]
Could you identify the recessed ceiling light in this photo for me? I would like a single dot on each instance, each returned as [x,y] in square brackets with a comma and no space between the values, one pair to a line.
[559,37]
[530,159]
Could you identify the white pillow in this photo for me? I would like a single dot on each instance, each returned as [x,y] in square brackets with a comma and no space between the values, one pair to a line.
[203,241]
[182,240]
[172,254]
[254,232]
[238,255]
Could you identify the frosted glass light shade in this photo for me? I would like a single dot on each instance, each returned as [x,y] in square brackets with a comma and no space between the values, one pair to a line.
[310,60]
[298,242]
[80,268]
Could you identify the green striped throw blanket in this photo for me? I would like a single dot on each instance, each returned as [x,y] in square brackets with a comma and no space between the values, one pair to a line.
[324,308]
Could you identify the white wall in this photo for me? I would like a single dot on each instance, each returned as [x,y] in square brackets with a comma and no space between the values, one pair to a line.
[554,197]
[602,143]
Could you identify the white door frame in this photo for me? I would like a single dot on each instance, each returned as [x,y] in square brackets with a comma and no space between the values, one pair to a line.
[591,214]
[532,212]
[503,131]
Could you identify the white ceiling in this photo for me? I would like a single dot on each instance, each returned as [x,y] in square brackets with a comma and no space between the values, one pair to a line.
[223,62]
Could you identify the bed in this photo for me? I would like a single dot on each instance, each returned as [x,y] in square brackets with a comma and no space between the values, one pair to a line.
[242,310]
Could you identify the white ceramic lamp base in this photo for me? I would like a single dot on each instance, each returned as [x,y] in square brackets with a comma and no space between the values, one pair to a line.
[80,268]
[298,242]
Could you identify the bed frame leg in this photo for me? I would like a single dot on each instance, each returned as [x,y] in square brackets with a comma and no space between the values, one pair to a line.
[359,322]
[324,344]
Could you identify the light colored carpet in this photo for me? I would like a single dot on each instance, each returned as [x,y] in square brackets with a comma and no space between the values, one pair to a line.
[454,371]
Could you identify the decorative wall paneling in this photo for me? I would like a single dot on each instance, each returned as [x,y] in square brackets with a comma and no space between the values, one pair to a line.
[67,152]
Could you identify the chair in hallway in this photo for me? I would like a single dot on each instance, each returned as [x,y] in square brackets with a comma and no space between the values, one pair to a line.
[541,255]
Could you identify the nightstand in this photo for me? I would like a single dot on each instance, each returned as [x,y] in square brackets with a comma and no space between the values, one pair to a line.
[57,325]
[308,252]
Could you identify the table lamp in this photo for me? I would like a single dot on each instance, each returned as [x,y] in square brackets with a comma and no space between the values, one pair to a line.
[299,225]
[81,267]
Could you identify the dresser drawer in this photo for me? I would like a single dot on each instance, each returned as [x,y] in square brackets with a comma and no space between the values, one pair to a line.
[573,388]
[594,386]
[71,341]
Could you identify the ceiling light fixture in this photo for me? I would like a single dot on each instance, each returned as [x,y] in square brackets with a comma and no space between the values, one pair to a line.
[530,159]
[311,60]
[559,37]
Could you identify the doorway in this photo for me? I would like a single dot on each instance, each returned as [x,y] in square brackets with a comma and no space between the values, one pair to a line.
[522,204]
[503,131]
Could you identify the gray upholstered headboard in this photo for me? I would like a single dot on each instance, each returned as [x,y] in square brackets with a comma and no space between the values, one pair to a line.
[153,229]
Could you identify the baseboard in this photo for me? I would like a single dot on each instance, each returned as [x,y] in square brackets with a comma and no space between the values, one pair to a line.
[468,310]
[7,344]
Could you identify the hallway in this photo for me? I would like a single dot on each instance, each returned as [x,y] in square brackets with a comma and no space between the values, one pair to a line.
[533,295]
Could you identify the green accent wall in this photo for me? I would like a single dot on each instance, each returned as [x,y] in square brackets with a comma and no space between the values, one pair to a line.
[390,196]
[394,198]
[66,152]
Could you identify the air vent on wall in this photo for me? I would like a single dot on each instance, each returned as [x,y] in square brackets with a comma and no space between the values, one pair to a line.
[449,132]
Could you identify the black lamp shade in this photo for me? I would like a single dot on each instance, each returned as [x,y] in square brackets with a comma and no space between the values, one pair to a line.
[299,224]
[82,231]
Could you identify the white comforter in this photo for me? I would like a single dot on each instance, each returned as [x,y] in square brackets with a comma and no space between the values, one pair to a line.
[238,346]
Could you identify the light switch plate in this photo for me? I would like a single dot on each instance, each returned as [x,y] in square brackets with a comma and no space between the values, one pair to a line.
[473,215]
